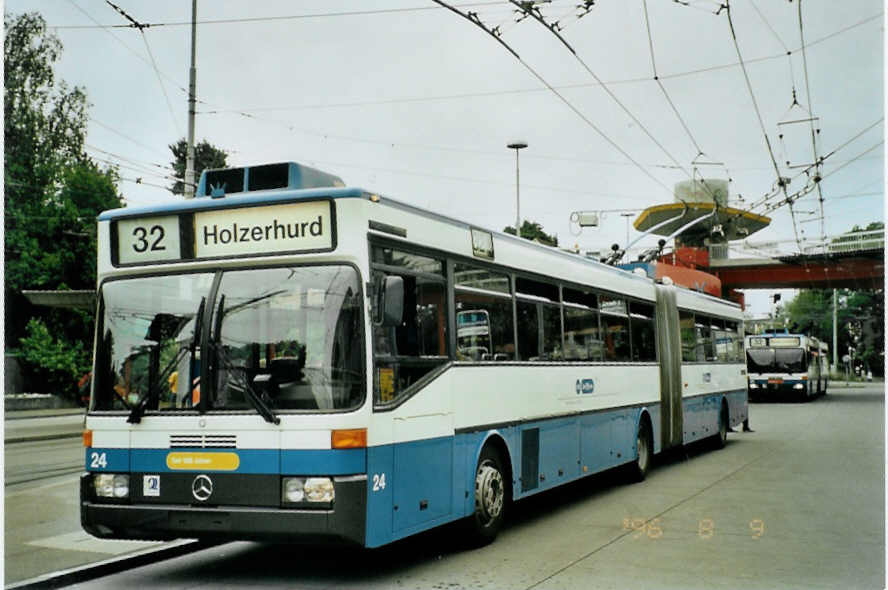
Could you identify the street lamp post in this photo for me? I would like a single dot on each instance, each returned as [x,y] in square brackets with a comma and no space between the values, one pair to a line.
[627,216]
[517,145]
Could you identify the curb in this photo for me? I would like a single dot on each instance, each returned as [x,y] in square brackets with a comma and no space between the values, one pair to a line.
[41,437]
[112,566]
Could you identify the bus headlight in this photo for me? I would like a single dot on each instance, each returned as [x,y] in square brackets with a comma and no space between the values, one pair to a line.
[753,386]
[798,386]
[294,489]
[111,485]
[301,490]
[319,489]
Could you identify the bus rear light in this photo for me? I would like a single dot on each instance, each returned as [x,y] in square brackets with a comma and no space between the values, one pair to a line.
[87,438]
[355,438]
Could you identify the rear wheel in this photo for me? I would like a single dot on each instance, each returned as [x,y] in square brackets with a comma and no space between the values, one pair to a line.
[644,444]
[721,438]
[491,497]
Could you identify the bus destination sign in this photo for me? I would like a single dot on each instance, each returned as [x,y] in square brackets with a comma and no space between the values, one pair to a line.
[263,230]
[245,231]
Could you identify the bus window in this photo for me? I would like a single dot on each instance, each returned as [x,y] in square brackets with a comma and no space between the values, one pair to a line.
[615,328]
[292,336]
[582,340]
[734,342]
[539,320]
[644,347]
[705,351]
[688,336]
[481,290]
[405,353]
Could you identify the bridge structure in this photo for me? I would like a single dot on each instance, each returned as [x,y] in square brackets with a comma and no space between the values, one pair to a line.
[854,260]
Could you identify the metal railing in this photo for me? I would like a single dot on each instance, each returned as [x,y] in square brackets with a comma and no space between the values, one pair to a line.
[847,243]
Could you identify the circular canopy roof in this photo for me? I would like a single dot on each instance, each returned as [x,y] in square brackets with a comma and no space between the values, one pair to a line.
[736,224]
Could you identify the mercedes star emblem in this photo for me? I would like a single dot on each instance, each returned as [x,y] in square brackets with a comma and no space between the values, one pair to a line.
[202,488]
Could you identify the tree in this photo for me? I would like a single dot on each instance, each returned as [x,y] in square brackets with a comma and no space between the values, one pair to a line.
[533,231]
[206,157]
[859,321]
[53,193]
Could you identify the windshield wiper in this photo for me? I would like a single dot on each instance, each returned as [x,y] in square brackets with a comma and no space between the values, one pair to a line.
[138,409]
[264,410]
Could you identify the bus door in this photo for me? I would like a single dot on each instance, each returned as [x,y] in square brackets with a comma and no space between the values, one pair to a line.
[669,351]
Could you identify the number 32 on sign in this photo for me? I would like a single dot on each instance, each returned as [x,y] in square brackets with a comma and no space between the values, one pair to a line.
[148,239]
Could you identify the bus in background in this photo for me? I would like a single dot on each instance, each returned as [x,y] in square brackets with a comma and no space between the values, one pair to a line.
[473,335]
[786,365]
[286,359]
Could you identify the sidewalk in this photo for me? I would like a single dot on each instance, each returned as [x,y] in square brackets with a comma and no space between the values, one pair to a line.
[37,425]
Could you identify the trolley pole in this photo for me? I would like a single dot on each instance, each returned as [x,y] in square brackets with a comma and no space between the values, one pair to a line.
[192,84]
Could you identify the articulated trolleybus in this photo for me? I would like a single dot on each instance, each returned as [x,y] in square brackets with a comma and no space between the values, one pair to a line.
[287,359]
[784,363]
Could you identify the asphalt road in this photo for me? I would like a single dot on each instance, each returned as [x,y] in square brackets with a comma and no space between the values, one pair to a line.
[799,503]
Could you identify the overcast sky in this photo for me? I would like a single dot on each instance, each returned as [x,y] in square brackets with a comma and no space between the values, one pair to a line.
[414,102]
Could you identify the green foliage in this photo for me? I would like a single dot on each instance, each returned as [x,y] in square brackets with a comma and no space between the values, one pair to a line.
[52,194]
[533,231]
[859,321]
[206,156]
[53,364]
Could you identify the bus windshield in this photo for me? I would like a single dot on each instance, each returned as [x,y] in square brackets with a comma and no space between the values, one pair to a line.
[290,336]
[776,360]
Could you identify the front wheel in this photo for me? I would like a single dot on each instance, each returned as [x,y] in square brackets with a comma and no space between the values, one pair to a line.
[491,497]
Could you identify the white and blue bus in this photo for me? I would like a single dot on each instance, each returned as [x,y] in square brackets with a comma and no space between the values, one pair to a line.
[281,359]
[784,365]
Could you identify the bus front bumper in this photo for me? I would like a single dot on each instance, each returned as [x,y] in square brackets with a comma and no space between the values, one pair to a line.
[763,387]
[343,524]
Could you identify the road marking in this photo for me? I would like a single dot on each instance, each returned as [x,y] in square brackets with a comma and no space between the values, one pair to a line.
[82,541]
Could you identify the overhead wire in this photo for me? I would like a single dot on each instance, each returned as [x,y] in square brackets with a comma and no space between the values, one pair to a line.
[533,12]
[810,120]
[257,19]
[471,17]
[507,92]
[780,180]
[141,28]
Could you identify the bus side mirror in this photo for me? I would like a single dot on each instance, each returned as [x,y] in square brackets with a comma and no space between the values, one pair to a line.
[390,302]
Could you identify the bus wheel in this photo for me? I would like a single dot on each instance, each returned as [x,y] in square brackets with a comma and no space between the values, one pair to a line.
[644,442]
[491,497]
[721,439]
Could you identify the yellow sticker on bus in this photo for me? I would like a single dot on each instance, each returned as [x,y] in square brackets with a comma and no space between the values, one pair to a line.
[179,461]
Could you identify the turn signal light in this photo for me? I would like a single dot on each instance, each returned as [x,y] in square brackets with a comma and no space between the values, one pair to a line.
[87,438]
[349,439]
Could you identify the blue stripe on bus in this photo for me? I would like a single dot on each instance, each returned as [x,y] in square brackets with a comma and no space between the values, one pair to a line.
[324,462]
[288,462]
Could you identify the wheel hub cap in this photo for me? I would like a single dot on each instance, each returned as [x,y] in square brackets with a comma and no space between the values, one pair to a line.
[489,492]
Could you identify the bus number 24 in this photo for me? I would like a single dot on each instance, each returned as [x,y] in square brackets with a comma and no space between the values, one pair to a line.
[98,461]
[378,482]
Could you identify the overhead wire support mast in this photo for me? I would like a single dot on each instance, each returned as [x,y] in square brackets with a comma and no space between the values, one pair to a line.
[473,18]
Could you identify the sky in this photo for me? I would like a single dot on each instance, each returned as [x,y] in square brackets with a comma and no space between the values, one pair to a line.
[412,101]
